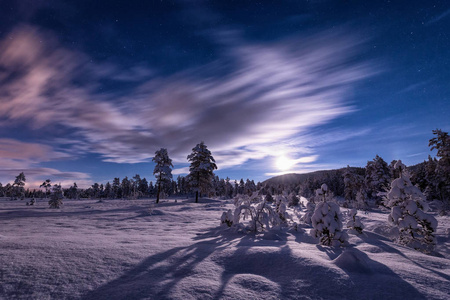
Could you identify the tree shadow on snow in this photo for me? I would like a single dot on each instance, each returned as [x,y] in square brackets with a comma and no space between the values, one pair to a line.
[376,240]
[254,263]
[158,274]
[371,279]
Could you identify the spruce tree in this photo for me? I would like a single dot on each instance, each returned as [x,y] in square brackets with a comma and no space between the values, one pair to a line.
[201,169]
[56,197]
[441,142]
[407,203]
[327,221]
[162,171]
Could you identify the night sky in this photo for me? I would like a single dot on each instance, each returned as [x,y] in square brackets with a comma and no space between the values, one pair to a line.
[89,90]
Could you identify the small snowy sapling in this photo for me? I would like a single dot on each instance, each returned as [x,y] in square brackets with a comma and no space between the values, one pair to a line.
[355,223]
[327,221]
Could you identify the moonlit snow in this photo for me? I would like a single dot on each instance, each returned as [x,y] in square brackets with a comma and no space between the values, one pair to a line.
[134,249]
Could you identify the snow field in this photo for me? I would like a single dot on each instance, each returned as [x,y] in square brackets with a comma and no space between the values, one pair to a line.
[117,249]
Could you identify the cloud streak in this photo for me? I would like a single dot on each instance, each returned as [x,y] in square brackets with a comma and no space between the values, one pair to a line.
[17,157]
[244,105]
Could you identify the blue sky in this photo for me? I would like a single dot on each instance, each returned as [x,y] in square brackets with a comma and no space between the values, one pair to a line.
[89,90]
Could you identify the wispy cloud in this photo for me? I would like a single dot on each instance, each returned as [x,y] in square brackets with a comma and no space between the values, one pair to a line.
[17,156]
[266,94]
[439,17]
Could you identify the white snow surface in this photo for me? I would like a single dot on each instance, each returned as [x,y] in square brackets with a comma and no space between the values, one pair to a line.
[122,249]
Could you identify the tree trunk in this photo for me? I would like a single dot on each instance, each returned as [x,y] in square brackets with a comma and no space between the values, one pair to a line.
[159,189]
[198,187]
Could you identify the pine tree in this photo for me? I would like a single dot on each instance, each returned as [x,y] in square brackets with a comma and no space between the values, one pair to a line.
[201,169]
[377,177]
[46,185]
[162,171]
[441,142]
[327,221]
[407,203]
[108,191]
[18,186]
[355,223]
[56,197]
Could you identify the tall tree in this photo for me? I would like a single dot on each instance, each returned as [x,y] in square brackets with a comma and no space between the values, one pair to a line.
[201,169]
[46,185]
[162,171]
[19,185]
[441,142]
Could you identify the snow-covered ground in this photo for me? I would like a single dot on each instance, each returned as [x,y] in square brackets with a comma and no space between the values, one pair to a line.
[119,249]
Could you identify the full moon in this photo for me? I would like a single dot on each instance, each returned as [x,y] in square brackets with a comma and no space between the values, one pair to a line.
[283,163]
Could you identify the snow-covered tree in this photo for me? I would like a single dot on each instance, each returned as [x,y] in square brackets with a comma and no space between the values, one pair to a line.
[407,203]
[377,177]
[281,202]
[201,169]
[355,223]
[162,171]
[327,221]
[56,197]
[260,214]
[361,199]
[310,208]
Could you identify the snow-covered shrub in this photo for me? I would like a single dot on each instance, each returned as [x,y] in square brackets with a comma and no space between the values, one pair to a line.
[259,214]
[32,202]
[56,197]
[355,223]
[322,194]
[361,200]
[280,207]
[407,203]
[327,221]
[227,218]
[310,208]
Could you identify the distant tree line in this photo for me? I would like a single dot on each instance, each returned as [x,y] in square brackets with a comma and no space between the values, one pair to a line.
[355,185]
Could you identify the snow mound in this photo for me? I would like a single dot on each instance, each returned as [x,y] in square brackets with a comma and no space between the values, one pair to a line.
[157,212]
[354,261]
[251,286]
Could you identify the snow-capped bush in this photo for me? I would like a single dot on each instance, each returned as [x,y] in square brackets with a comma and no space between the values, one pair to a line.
[56,197]
[310,208]
[355,223]
[322,194]
[280,208]
[327,221]
[407,203]
[259,214]
[227,218]
[361,200]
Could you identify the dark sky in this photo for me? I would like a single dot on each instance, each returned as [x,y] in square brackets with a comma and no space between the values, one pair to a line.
[89,90]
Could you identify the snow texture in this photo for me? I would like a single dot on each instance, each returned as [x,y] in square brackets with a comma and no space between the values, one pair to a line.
[116,249]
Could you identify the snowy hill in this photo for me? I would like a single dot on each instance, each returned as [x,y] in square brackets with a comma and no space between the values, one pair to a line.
[121,249]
